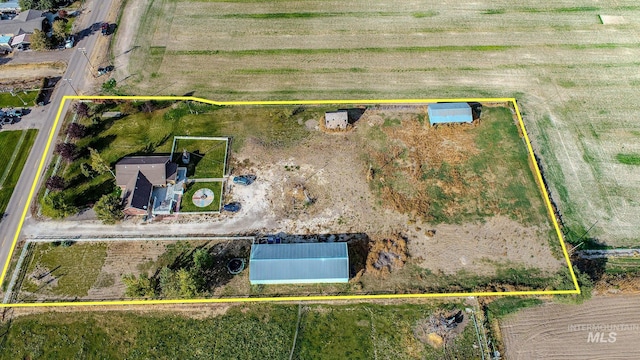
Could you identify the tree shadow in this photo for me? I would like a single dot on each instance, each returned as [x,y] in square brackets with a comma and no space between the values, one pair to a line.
[100,126]
[354,114]
[595,268]
[98,143]
[93,193]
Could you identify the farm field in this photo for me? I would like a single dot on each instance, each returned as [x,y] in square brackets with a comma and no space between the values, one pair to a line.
[574,77]
[16,146]
[557,331]
[248,332]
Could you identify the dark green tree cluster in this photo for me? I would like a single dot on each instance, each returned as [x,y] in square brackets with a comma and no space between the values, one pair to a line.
[109,208]
[184,283]
[41,4]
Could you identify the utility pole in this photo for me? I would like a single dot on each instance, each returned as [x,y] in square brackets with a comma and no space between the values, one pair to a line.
[84,52]
[72,88]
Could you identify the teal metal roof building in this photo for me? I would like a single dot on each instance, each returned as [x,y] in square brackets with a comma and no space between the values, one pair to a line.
[303,263]
[444,113]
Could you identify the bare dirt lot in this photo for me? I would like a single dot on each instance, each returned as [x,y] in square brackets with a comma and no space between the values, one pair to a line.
[574,76]
[556,331]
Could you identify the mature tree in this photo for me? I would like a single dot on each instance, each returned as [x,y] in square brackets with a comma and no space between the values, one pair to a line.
[141,286]
[55,183]
[66,150]
[59,30]
[40,41]
[76,131]
[38,4]
[81,109]
[86,170]
[99,164]
[186,283]
[168,284]
[202,260]
[59,206]
[109,208]
[109,85]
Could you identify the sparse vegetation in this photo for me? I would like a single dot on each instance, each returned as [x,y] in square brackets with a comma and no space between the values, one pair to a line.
[628,159]
[67,270]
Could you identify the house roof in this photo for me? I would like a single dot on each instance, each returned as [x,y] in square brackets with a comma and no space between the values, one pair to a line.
[21,39]
[5,39]
[25,22]
[28,15]
[138,192]
[157,169]
[299,263]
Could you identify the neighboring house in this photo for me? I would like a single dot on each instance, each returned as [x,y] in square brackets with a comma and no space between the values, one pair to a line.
[444,113]
[302,263]
[25,23]
[21,42]
[5,43]
[336,119]
[138,175]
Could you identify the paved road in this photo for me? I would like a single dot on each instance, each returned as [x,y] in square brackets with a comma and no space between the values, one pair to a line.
[95,12]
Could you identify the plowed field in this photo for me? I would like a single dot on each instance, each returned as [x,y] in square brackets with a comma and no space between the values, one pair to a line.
[601,328]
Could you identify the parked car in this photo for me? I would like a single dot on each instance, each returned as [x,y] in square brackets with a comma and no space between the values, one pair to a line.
[105,70]
[244,179]
[231,207]
[105,29]
[71,40]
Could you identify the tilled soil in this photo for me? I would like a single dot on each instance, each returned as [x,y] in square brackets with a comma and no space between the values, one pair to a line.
[557,331]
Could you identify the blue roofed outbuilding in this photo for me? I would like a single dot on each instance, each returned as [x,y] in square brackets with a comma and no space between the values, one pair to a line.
[446,113]
[300,263]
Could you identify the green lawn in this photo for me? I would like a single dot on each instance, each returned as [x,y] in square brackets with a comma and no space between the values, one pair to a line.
[207,157]
[187,204]
[75,267]
[12,160]
[260,331]
[8,100]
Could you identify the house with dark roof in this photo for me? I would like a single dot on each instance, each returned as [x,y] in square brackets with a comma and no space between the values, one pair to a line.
[25,23]
[137,176]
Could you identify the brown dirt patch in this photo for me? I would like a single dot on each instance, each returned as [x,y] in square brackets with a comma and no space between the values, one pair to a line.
[123,258]
[386,254]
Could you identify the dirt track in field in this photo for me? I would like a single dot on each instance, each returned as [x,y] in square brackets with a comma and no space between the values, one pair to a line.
[556,331]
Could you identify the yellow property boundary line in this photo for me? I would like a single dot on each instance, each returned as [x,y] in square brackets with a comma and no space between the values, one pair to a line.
[538,175]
